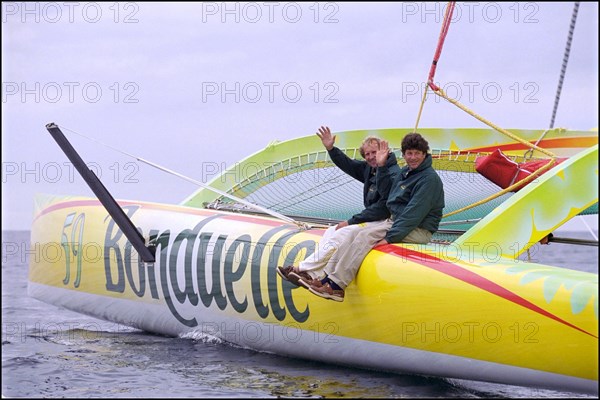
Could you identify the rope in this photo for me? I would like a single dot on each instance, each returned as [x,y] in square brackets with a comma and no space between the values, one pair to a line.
[441,93]
[436,56]
[275,214]
[504,191]
[523,181]
[421,108]
[442,38]
[565,61]
[437,90]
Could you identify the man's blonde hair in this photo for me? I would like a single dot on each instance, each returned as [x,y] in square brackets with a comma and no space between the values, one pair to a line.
[368,140]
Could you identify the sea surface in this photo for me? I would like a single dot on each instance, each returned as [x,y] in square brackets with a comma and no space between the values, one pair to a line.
[52,352]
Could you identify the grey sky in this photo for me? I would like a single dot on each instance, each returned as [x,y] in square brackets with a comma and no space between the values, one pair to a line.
[196,87]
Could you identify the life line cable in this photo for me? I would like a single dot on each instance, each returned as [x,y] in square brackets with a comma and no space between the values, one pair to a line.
[561,78]
[563,69]
[301,225]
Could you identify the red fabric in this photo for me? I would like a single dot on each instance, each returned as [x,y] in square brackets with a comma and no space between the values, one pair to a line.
[497,168]
[532,166]
[501,170]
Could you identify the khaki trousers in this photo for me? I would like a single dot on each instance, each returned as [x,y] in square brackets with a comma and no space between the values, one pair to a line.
[340,253]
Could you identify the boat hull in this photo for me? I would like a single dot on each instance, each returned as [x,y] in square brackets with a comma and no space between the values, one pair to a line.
[431,310]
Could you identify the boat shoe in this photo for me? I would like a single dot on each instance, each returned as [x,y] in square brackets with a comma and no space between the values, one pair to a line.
[305,280]
[293,275]
[327,292]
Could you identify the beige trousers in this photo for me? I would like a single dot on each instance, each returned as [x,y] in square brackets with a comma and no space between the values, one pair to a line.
[340,253]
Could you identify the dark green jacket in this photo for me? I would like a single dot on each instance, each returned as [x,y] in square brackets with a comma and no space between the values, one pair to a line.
[374,196]
[416,198]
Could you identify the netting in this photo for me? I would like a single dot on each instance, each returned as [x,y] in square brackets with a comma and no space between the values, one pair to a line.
[311,187]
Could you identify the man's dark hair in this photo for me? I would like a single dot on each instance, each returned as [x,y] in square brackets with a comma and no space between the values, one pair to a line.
[414,141]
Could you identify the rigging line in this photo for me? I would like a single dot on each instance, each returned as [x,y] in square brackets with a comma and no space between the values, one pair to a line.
[529,153]
[275,214]
[589,228]
[436,56]
[460,222]
[565,61]
[437,90]
[441,39]
[423,99]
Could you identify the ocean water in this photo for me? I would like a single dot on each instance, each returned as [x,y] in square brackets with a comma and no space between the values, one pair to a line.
[52,352]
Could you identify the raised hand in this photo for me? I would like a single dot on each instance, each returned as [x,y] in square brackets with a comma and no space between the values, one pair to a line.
[327,139]
[382,153]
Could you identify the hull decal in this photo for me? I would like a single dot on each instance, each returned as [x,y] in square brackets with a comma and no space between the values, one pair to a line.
[472,278]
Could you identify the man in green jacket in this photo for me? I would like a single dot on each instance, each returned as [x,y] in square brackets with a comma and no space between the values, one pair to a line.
[415,201]
[416,198]
[334,264]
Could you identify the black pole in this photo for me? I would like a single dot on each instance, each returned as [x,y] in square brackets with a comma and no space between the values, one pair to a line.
[116,212]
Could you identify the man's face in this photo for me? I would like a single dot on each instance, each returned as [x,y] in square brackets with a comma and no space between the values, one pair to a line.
[370,151]
[414,158]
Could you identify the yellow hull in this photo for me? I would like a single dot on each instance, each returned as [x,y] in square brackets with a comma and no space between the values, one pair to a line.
[434,310]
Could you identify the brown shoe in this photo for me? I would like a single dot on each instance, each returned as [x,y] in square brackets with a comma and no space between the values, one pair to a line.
[299,278]
[327,292]
[307,282]
[292,274]
[283,272]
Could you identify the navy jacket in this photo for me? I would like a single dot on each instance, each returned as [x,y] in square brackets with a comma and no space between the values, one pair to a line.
[416,199]
[374,195]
